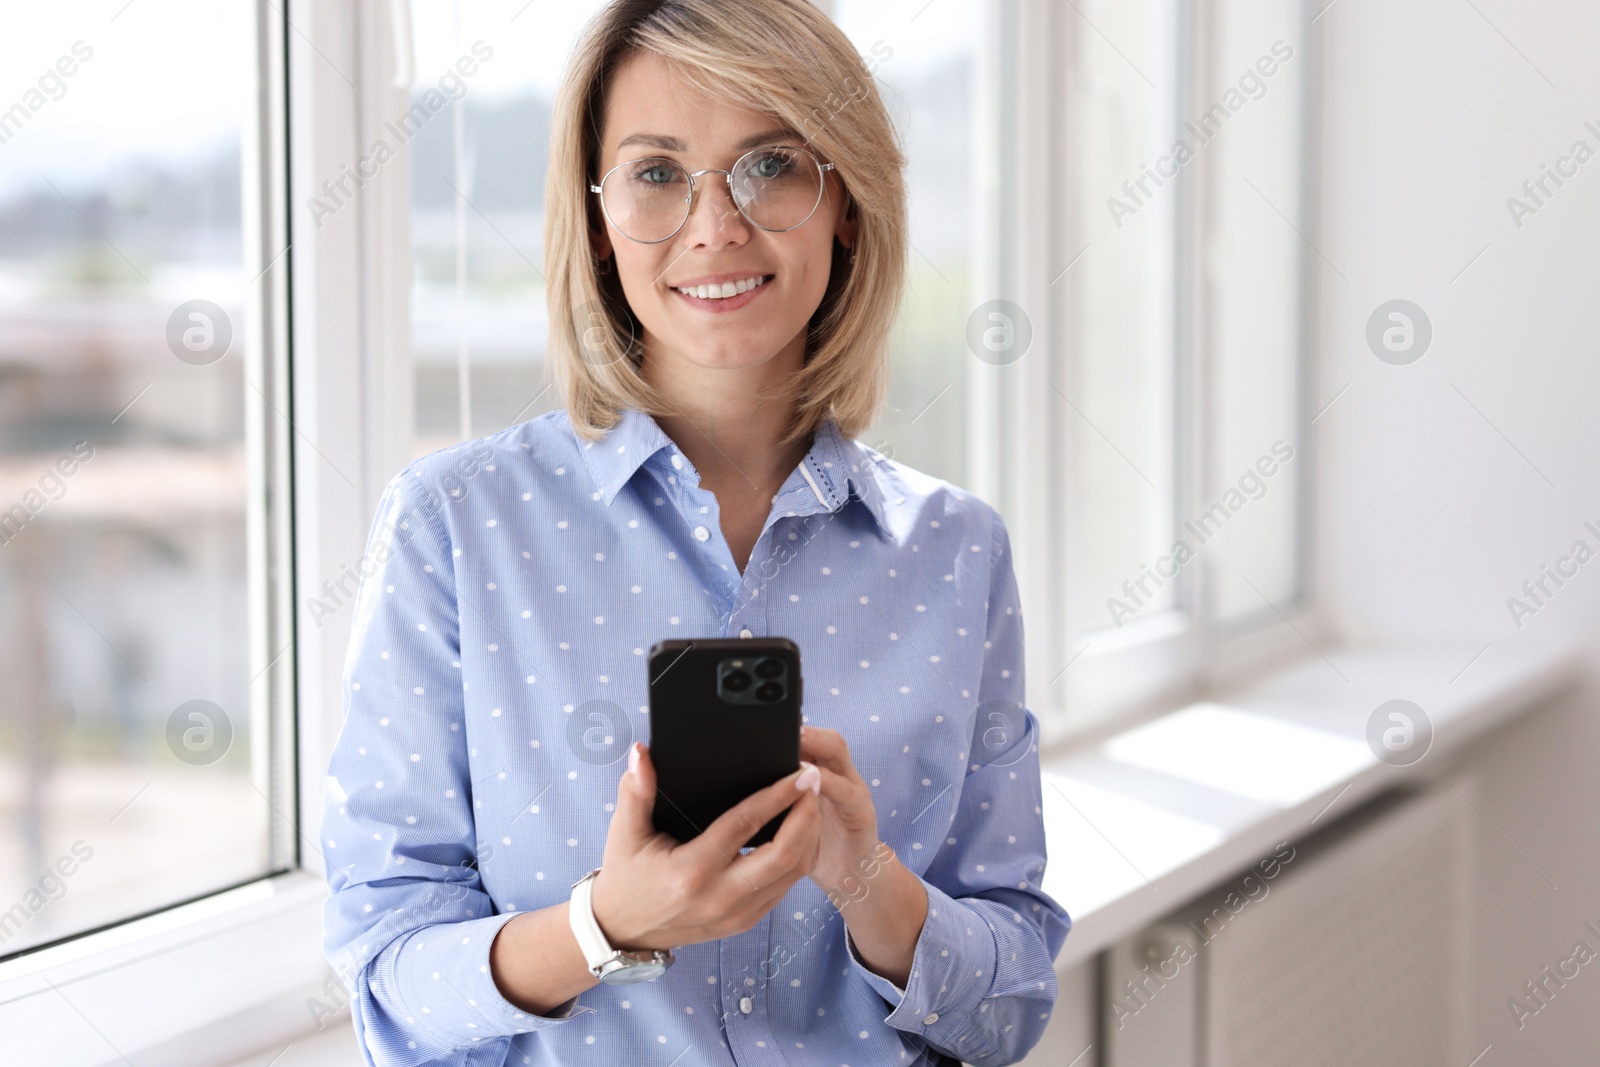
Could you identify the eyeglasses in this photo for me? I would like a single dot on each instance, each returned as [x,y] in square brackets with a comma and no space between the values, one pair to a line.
[776,188]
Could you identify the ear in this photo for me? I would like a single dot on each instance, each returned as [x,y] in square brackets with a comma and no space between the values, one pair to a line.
[845,228]
[599,229]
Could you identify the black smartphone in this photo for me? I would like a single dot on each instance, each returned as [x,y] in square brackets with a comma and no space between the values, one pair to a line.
[724,722]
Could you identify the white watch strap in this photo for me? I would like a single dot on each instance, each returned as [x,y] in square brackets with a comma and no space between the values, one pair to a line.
[580,913]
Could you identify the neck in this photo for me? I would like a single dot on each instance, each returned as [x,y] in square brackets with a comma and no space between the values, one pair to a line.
[722,422]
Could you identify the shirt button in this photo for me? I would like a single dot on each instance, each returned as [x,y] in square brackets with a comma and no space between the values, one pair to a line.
[677,461]
[931,1018]
[746,1004]
[702,534]
[746,632]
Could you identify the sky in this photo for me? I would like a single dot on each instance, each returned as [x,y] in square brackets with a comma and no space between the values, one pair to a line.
[168,78]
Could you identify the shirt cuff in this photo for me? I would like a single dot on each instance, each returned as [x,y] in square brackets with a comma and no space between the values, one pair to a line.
[886,989]
[445,986]
[951,970]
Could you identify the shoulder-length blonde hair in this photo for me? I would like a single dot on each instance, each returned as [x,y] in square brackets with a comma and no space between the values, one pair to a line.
[782,57]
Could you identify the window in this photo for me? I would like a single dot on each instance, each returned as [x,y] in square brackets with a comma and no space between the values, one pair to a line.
[1175,361]
[925,61]
[478,317]
[1254,274]
[1120,394]
[1183,347]
[144,762]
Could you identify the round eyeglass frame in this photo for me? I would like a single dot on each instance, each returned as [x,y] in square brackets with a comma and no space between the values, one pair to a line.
[727,177]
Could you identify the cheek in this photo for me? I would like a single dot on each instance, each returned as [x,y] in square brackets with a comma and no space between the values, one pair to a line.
[638,267]
[810,267]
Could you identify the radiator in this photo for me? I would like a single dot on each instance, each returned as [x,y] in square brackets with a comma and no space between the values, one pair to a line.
[1347,948]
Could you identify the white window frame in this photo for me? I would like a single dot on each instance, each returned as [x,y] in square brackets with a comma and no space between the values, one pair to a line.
[231,973]
[1086,688]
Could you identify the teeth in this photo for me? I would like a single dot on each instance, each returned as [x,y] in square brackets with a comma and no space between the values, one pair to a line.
[725,290]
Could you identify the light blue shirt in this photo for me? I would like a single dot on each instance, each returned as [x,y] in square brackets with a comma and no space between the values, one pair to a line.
[512,589]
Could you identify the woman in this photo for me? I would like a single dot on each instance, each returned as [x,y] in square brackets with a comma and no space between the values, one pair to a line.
[719,356]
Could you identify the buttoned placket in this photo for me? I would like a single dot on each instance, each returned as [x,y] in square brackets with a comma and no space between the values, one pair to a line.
[699,510]
[743,599]
[743,957]
[802,495]
[744,995]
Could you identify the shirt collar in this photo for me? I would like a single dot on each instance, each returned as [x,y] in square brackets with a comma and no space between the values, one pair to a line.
[834,469]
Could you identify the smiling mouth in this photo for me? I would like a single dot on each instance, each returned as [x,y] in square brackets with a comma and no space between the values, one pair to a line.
[724,290]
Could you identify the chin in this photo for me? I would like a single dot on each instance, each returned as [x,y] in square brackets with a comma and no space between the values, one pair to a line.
[725,347]
[728,356]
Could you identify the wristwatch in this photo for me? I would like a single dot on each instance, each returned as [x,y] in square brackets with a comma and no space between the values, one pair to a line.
[613,966]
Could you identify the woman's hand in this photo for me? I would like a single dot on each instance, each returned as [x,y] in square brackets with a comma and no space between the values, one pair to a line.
[884,904]
[850,854]
[653,892]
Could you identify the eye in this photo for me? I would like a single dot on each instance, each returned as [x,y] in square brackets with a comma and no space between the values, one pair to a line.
[653,172]
[772,164]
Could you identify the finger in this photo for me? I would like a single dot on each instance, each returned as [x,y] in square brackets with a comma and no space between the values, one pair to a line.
[849,802]
[738,824]
[844,792]
[633,822]
[756,905]
[791,852]
[764,876]
[826,748]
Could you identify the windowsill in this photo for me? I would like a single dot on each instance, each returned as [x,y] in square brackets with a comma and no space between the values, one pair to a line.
[1142,822]
[236,968]
[161,932]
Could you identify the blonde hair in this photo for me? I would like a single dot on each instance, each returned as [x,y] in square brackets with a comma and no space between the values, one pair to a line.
[782,57]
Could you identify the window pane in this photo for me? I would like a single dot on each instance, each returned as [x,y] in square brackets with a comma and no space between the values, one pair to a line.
[477,215]
[123,591]
[1253,276]
[1120,401]
[926,68]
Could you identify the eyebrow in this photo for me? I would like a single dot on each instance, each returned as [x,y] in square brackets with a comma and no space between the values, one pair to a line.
[673,144]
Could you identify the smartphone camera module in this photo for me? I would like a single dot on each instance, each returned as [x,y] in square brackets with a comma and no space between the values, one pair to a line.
[741,681]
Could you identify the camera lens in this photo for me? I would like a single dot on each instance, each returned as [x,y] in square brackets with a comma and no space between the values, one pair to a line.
[768,692]
[769,668]
[736,681]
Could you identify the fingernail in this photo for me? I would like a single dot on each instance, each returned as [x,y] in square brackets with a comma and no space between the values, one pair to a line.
[802,729]
[633,758]
[810,778]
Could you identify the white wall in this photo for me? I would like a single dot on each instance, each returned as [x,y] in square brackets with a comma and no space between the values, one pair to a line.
[1430,517]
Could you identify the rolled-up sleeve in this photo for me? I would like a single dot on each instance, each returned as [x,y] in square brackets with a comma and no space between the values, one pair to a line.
[408,925]
[982,983]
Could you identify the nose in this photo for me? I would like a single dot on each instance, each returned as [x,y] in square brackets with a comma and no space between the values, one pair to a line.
[720,222]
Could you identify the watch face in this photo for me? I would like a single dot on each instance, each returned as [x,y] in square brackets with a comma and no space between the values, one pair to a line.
[633,972]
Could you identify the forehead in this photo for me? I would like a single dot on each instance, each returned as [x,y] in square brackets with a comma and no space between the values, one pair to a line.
[650,95]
